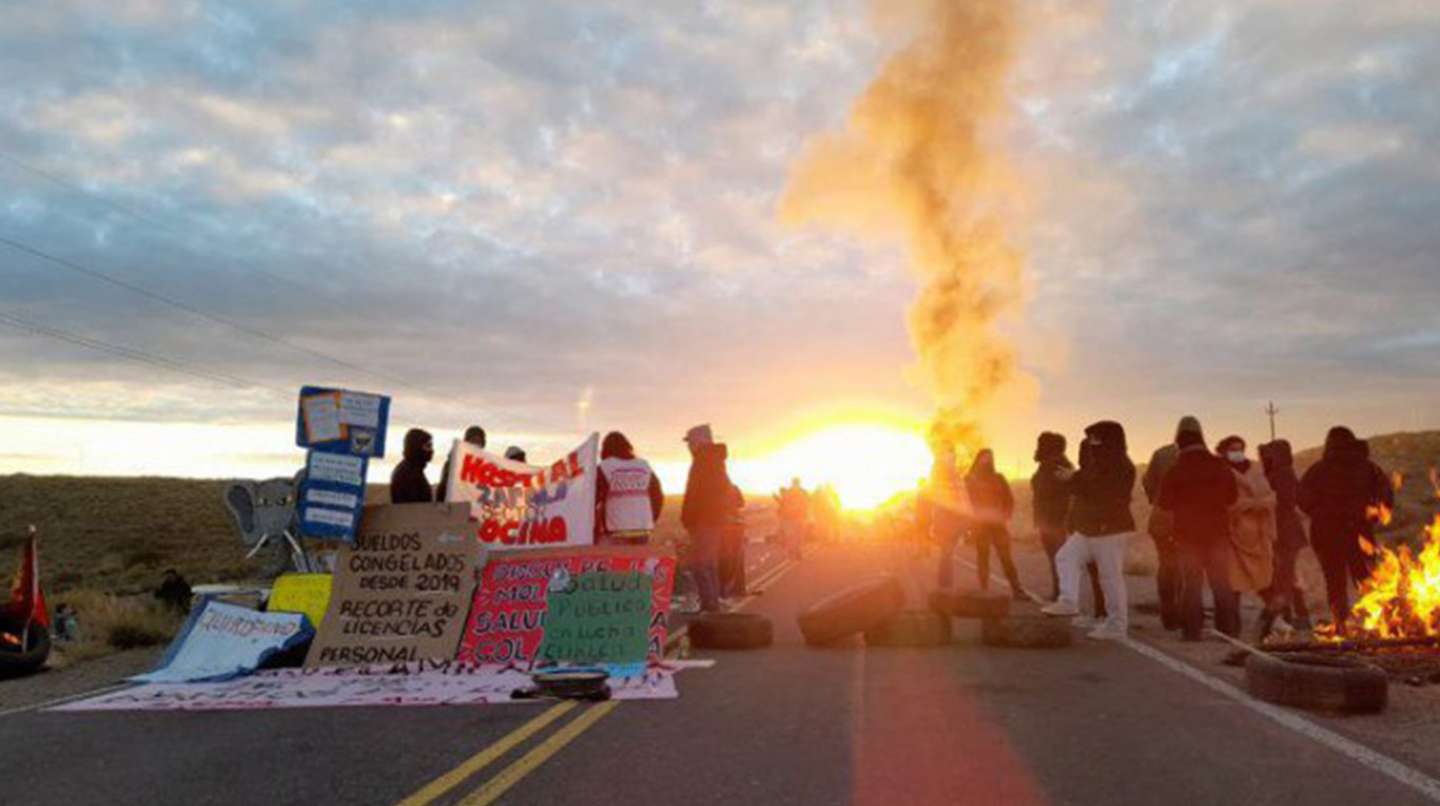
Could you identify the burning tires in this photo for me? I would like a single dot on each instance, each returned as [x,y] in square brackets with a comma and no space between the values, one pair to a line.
[970,604]
[853,610]
[731,631]
[1317,682]
[911,628]
[1026,632]
[22,654]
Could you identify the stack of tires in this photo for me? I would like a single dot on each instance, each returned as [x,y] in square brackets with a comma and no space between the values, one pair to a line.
[863,608]
[22,651]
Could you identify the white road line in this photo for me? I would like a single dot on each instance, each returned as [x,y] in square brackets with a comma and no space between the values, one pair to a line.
[68,698]
[1372,759]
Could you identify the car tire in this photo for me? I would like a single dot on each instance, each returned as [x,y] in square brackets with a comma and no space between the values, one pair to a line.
[970,604]
[1317,682]
[19,662]
[911,628]
[1026,632]
[730,631]
[850,611]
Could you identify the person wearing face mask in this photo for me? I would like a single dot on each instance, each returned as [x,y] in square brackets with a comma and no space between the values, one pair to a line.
[993,505]
[408,484]
[1252,523]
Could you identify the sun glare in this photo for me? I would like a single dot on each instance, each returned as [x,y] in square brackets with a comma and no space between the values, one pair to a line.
[866,463]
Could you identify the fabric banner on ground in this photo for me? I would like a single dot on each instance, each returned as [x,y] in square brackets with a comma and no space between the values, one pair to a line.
[222,641]
[521,506]
[401,685]
[508,617]
[401,590]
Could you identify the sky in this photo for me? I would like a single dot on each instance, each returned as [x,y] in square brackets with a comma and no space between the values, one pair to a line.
[552,218]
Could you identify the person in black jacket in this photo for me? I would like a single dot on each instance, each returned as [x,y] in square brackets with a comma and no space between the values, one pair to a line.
[706,512]
[1050,509]
[1337,492]
[1197,491]
[992,504]
[408,484]
[1284,596]
[475,435]
[1100,523]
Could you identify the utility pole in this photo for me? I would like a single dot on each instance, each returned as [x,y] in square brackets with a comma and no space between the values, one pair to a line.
[1272,411]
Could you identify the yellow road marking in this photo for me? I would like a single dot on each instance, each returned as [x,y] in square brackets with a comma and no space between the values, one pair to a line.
[484,758]
[528,763]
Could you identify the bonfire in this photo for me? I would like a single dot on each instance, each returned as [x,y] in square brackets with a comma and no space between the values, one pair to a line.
[1400,602]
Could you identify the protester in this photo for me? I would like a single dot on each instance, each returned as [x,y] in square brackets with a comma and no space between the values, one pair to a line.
[992,504]
[948,510]
[1336,492]
[1285,595]
[627,493]
[408,484]
[1100,520]
[1162,524]
[174,592]
[706,508]
[1198,492]
[794,517]
[1382,496]
[515,453]
[1252,529]
[1050,509]
[66,627]
[475,435]
[732,549]
[825,513]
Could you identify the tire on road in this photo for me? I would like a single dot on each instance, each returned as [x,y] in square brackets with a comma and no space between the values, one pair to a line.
[911,628]
[21,661]
[970,604]
[853,610]
[1026,632]
[730,631]
[1317,682]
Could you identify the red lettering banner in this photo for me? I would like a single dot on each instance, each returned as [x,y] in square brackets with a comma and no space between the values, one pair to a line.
[522,506]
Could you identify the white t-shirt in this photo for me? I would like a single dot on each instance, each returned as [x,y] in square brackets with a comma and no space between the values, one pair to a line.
[627,502]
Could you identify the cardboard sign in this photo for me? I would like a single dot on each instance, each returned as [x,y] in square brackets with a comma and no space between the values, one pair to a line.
[401,590]
[332,496]
[521,506]
[221,641]
[599,617]
[508,619]
[342,421]
[301,593]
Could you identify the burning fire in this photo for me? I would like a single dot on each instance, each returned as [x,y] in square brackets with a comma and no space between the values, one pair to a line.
[1402,597]
[10,638]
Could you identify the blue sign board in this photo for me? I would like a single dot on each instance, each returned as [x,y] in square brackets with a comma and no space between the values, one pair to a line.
[332,495]
[342,421]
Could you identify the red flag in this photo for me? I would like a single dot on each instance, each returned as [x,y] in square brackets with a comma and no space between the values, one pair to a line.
[27,601]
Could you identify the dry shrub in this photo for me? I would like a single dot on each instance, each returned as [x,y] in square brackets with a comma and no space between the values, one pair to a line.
[109,623]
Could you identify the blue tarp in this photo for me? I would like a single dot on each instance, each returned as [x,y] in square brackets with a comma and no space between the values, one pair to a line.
[221,641]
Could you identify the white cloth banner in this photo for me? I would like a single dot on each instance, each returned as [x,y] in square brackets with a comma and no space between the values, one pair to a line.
[221,641]
[420,683]
[522,506]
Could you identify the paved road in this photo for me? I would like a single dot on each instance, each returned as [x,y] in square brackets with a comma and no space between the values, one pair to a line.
[1098,723]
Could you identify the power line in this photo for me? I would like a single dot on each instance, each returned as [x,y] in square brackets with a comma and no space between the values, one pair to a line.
[132,354]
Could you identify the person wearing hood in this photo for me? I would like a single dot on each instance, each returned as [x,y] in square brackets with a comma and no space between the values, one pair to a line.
[948,508]
[1285,596]
[992,505]
[794,509]
[1337,492]
[1050,509]
[1162,524]
[1252,526]
[628,495]
[1100,523]
[408,484]
[474,435]
[1198,491]
[515,453]
[706,511]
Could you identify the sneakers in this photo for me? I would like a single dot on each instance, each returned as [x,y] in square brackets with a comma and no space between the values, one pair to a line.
[1085,622]
[1103,633]
[1058,608]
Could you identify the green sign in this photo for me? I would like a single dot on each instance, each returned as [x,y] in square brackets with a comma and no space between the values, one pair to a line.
[598,617]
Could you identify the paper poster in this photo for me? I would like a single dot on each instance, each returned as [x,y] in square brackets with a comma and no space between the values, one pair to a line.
[598,617]
[357,408]
[322,418]
[301,593]
[338,468]
[332,495]
[401,589]
[522,506]
[342,421]
[221,641]
[509,616]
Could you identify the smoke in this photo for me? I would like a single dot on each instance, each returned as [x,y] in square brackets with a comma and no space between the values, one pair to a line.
[914,162]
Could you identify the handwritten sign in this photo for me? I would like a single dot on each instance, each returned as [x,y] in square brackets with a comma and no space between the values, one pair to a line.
[521,506]
[342,421]
[221,641]
[401,590]
[599,617]
[332,495]
[301,593]
[509,617]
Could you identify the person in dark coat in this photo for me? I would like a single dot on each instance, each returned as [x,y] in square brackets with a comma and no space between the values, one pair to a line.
[1161,526]
[1284,596]
[1100,523]
[706,511]
[408,484]
[1198,492]
[1050,509]
[992,504]
[475,435]
[174,592]
[1336,493]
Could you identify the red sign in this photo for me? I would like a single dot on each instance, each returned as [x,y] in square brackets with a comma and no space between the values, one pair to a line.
[507,617]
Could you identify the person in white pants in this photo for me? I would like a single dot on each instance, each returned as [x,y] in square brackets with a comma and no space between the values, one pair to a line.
[1100,523]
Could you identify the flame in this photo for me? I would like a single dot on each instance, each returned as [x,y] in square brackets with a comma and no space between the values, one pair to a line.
[1397,480]
[10,638]
[1435,481]
[1380,513]
[1401,599]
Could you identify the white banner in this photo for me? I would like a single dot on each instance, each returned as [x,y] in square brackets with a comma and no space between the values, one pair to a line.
[521,506]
